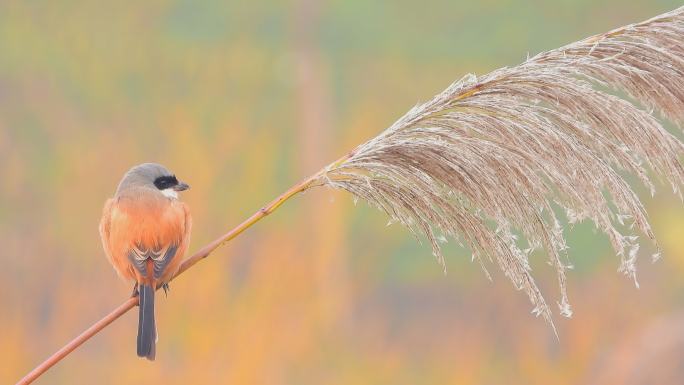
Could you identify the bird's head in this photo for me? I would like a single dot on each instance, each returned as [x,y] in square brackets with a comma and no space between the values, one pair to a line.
[154,176]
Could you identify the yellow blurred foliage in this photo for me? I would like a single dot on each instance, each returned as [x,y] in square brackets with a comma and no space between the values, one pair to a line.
[242,100]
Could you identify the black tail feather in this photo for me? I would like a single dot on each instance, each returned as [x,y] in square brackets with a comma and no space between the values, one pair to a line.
[147,330]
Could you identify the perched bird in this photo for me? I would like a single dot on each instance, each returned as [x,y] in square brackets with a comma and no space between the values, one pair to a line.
[145,231]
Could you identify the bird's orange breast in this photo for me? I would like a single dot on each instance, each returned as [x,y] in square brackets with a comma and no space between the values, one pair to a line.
[146,221]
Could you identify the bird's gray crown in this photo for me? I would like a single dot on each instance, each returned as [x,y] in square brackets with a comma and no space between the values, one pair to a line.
[144,175]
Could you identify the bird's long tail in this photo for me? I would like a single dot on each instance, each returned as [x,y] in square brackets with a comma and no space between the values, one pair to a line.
[147,330]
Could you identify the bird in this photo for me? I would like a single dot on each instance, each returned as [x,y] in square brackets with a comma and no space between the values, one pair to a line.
[145,231]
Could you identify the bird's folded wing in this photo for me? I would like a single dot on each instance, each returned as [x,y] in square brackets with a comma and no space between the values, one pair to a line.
[161,257]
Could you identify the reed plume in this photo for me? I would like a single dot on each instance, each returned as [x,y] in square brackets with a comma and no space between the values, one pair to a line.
[530,149]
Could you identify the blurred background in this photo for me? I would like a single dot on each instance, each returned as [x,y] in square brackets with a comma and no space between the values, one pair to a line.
[243,99]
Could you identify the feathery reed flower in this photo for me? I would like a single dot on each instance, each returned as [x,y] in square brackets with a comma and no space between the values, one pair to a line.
[505,153]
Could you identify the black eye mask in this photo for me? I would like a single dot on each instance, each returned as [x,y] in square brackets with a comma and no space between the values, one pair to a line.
[166,181]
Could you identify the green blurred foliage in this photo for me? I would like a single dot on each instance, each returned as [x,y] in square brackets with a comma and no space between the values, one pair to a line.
[242,100]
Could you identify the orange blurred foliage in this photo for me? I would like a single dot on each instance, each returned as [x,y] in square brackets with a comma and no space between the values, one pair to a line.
[242,100]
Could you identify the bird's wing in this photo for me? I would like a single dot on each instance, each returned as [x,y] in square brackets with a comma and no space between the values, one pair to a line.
[187,224]
[160,256]
[105,226]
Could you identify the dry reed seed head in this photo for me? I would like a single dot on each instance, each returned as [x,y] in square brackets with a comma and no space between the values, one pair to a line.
[504,153]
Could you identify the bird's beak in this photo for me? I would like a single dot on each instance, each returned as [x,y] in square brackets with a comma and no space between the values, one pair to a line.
[181,187]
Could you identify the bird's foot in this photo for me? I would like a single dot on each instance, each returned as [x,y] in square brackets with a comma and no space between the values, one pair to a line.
[166,289]
[135,292]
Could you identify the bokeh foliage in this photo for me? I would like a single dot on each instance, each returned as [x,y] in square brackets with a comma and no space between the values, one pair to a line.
[242,100]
